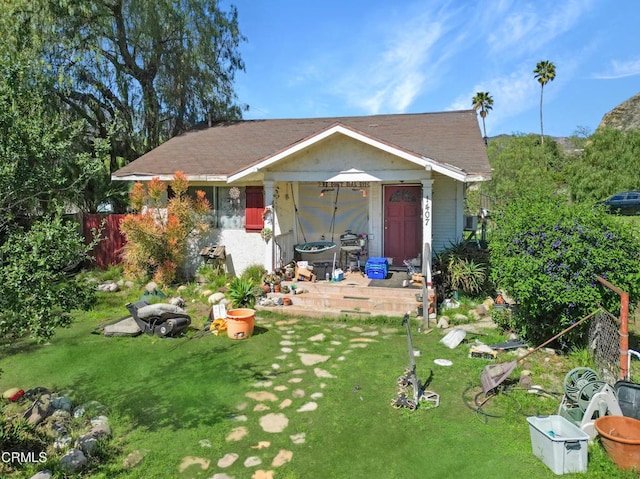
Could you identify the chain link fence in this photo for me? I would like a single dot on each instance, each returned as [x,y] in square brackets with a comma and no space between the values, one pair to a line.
[604,345]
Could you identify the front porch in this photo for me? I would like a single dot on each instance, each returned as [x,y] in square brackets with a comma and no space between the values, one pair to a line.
[356,296]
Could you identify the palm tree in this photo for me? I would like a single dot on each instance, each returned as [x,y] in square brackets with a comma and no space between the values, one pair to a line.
[545,72]
[483,102]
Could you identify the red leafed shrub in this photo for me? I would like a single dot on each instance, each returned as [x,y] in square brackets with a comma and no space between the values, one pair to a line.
[158,231]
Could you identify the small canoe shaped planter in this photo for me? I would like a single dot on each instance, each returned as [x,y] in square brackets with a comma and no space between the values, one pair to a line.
[240,323]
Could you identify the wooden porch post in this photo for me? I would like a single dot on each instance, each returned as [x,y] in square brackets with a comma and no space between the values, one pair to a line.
[269,222]
[427,229]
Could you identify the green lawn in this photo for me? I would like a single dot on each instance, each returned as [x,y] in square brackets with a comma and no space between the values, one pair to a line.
[167,396]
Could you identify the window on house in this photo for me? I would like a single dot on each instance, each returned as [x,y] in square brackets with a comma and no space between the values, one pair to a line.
[234,207]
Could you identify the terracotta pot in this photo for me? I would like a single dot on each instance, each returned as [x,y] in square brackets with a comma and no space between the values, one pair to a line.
[240,323]
[620,436]
[266,288]
[276,288]
[286,301]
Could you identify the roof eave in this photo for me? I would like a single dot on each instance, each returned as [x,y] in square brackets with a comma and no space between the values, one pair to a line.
[164,177]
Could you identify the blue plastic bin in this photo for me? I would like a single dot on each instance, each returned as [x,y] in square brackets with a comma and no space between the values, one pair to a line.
[376,268]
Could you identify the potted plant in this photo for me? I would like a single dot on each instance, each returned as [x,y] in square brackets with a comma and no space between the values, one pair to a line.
[266,233]
[241,319]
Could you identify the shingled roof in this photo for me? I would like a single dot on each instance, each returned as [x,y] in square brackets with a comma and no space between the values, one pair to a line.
[450,138]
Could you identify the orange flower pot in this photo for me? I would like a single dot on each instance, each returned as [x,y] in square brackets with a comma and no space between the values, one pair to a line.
[240,323]
[620,436]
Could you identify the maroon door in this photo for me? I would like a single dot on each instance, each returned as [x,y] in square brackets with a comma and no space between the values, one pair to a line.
[402,226]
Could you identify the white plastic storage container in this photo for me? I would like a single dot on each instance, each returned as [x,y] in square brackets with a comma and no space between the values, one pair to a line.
[559,443]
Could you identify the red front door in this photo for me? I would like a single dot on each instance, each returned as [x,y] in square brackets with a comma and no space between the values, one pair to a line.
[402,226]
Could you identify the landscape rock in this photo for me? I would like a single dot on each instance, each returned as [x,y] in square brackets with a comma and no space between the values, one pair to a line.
[40,409]
[87,444]
[100,430]
[132,460]
[525,382]
[46,474]
[215,298]
[228,459]
[178,301]
[73,462]
[101,420]
[108,287]
[62,442]
[488,303]
[252,461]
[282,458]
[61,403]
[443,322]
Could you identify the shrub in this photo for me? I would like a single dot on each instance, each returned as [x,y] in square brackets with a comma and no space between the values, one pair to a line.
[255,272]
[546,253]
[242,293]
[157,233]
[213,274]
[36,293]
[463,267]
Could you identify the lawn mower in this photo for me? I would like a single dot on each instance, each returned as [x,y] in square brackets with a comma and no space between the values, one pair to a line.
[161,319]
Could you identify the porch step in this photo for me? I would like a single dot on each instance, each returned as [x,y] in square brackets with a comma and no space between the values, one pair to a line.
[346,299]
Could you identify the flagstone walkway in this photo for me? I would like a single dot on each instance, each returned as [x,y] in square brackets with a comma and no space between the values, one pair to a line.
[272,401]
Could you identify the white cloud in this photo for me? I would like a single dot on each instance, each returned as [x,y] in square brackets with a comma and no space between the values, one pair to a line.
[399,63]
[525,27]
[620,69]
[512,95]
[395,76]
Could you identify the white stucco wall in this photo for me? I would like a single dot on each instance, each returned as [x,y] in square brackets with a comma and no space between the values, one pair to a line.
[242,249]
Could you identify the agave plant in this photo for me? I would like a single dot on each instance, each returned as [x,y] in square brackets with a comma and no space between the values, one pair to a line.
[241,292]
[466,275]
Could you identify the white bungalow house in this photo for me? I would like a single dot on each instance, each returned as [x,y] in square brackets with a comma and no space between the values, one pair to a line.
[398,182]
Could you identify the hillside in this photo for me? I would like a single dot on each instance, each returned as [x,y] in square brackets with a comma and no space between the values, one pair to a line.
[625,116]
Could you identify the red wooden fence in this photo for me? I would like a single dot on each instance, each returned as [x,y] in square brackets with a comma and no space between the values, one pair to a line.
[108,251]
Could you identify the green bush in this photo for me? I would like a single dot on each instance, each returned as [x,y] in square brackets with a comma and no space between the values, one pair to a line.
[36,293]
[546,254]
[463,267]
[242,293]
[254,272]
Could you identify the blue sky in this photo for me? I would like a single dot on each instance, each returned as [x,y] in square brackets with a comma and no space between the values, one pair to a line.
[318,58]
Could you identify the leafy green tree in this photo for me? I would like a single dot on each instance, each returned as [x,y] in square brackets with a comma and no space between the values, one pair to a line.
[42,165]
[609,164]
[36,294]
[483,102]
[545,72]
[520,165]
[42,169]
[546,253]
[136,72]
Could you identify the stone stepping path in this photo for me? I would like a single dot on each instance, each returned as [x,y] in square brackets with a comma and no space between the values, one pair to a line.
[272,401]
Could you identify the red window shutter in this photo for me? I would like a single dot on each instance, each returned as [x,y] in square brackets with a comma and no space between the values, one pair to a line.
[255,206]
